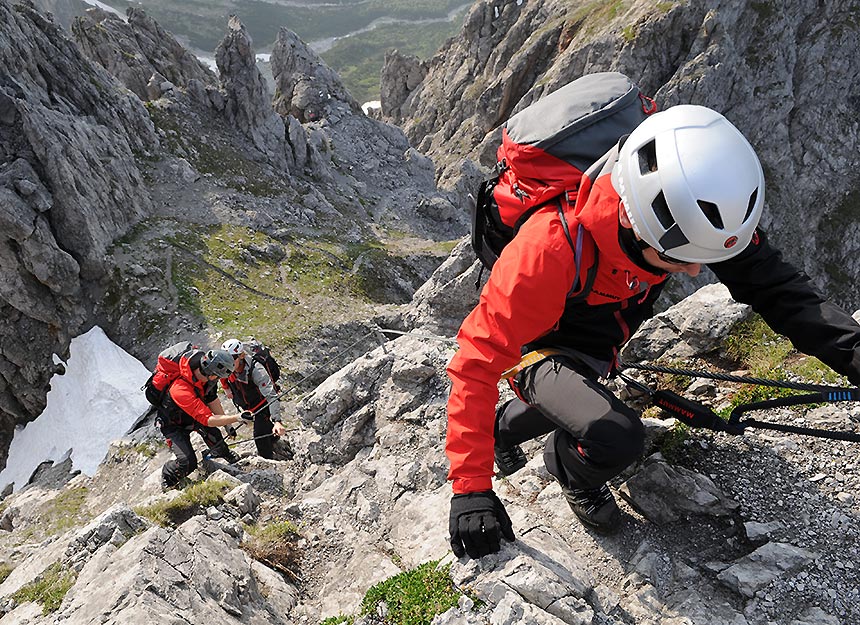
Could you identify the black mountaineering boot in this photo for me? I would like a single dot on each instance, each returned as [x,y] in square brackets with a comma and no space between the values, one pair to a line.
[231,456]
[509,460]
[595,507]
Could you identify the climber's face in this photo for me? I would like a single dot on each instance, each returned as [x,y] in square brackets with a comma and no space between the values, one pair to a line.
[656,259]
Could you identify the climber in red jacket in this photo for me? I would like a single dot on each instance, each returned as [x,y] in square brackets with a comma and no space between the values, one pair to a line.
[190,404]
[685,189]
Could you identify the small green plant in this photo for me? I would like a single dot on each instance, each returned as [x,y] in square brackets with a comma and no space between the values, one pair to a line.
[675,381]
[146,449]
[5,570]
[48,589]
[812,370]
[274,532]
[769,355]
[275,546]
[751,393]
[628,33]
[413,597]
[192,500]
[672,443]
[753,344]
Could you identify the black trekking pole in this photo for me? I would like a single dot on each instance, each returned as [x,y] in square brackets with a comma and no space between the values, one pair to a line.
[695,414]
[256,438]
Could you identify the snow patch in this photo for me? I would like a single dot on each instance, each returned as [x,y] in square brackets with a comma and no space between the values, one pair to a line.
[95,402]
[105,7]
[372,104]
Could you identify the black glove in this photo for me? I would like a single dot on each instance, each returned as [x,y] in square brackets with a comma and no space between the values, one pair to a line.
[477,523]
[247,415]
[231,431]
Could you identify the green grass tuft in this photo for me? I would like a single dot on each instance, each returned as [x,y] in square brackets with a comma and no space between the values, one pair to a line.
[672,443]
[413,597]
[754,345]
[192,501]
[64,511]
[48,589]
[275,546]
[5,571]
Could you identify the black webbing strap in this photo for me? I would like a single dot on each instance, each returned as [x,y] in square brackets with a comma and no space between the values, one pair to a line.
[735,420]
[697,415]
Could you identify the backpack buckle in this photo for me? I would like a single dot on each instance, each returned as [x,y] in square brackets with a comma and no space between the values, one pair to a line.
[520,193]
[649,106]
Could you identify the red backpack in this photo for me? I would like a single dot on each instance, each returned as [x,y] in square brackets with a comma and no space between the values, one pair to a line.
[166,371]
[545,149]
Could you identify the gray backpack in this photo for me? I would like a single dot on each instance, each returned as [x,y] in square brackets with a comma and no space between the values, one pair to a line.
[545,149]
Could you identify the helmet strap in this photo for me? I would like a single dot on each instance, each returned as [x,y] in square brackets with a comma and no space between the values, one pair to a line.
[633,246]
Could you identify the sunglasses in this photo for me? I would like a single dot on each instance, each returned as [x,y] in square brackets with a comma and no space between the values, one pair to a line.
[669,259]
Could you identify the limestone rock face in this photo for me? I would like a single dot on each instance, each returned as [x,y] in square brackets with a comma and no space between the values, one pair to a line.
[401,75]
[134,51]
[248,102]
[779,73]
[69,185]
[307,88]
[64,11]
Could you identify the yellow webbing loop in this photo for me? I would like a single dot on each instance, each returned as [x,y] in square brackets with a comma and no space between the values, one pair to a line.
[528,360]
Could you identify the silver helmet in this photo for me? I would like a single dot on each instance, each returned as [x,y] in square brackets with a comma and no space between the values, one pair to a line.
[217,362]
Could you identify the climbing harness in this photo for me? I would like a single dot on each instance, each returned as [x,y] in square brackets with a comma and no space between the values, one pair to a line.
[695,414]
[532,358]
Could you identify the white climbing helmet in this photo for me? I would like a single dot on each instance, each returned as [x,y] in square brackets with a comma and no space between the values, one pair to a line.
[691,184]
[234,347]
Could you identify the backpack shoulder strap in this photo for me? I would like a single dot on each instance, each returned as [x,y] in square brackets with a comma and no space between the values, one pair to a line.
[580,288]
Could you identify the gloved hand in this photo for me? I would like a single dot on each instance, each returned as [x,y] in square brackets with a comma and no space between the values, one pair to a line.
[247,415]
[477,523]
[231,431]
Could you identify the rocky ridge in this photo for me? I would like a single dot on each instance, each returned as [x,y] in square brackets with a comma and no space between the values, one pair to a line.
[762,531]
[85,162]
[138,52]
[70,186]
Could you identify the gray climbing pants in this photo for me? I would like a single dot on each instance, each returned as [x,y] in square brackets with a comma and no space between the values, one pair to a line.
[593,434]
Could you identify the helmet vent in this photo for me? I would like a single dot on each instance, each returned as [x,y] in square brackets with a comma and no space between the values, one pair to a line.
[661,209]
[753,198]
[712,212]
[648,158]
